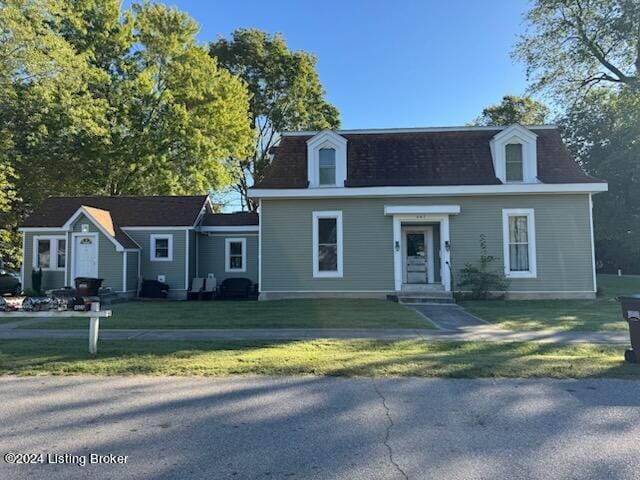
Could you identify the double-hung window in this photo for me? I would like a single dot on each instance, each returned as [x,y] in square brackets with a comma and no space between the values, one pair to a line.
[327,244]
[49,253]
[519,241]
[327,167]
[514,162]
[235,255]
[161,248]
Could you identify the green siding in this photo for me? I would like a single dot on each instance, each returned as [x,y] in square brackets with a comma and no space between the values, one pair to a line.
[50,278]
[563,238]
[174,271]
[211,255]
[132,271]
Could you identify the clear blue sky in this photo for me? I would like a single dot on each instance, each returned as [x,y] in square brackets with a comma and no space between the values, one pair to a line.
[401,63]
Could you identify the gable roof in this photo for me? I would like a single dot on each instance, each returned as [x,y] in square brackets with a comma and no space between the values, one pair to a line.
[236,219]
[420,157]
[149,211]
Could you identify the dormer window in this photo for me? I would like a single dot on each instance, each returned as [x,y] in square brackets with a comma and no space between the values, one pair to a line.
[327,160]
[327,167]
[514,165]
[515,155]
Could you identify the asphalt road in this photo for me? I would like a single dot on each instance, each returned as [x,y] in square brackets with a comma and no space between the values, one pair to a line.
[321,428]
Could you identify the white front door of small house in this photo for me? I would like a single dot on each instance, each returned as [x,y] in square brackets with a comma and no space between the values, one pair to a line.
[418,255]
[85,256]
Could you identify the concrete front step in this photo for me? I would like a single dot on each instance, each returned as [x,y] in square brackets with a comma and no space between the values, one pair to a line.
[424,299]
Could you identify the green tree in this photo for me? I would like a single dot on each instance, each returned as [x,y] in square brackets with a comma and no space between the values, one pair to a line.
[514,109]
[286,94]
[573,45]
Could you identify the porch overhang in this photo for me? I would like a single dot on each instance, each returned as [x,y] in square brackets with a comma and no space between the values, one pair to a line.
[421,209]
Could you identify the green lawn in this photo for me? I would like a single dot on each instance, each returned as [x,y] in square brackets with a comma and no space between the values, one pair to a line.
[319,357]
[321,313]
[603,313]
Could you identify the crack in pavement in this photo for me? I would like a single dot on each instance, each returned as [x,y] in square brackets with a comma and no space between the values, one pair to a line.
[388,430]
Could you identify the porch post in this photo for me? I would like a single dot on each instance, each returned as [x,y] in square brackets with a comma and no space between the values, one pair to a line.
[446,257]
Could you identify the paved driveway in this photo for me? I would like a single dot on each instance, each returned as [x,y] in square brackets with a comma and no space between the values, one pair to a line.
[323,428]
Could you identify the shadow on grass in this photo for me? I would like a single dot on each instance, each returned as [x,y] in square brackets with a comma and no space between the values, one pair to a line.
[368,358]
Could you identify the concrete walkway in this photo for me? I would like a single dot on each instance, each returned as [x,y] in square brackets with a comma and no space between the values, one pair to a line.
[449,316]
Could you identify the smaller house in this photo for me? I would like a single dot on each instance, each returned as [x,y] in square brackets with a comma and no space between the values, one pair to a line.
[125,239]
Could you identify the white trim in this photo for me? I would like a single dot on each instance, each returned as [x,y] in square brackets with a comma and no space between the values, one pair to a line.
[159,228]
[260,247]
[531,241]
[337,214]
[42,229]
[454,190]
[227,255]
[83,211]
[593,245]
[390,292]
[306,133]
[53,253]
[445,257]
[422,209]
[326,139]
[516,134]
[24,252]
[187,260]
[124,271]
[231,229]
[152,247]
[75,235]
[229,233]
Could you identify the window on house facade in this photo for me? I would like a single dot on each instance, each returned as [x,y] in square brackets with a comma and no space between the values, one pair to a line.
[327,244]
[161,248]
[235,254]
[50,253]
[519,243]
[514,163]
[327,166]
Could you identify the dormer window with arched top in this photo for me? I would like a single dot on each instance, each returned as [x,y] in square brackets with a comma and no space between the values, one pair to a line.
[515,155]
[327,160]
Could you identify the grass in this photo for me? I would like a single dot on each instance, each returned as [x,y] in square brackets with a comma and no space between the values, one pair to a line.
[319,357]
[603,313]
[302,313]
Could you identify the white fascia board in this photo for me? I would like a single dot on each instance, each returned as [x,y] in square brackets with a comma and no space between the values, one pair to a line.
[83,211]
[306,133]
[41,229]
[421,209]
[457,190]
[230,229]
[155,228]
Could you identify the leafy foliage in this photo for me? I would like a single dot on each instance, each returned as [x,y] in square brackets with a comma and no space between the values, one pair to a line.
[514,109]
[483,279]
[286,94]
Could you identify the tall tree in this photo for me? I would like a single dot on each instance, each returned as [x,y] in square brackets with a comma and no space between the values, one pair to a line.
[286,94]
[514,109]
[573,45]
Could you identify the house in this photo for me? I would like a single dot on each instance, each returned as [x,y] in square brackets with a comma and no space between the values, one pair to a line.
[364,213]
[125,239]
[388,212]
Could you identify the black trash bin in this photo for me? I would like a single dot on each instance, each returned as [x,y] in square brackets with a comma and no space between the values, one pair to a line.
[154,289]
[631,313]
[88,287]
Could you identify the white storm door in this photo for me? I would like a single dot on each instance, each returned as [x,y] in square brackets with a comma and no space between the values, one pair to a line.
[85,256]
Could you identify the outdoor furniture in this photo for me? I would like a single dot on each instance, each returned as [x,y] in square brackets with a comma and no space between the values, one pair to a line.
[153,289]
[209,290]
[236,288]
[197,284]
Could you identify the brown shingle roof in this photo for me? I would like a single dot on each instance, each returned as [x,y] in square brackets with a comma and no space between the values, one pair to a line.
[151,211]
[230,219]
[421,158]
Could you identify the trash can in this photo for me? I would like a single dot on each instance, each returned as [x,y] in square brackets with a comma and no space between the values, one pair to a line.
[87,287]
[631,313]
[154,289]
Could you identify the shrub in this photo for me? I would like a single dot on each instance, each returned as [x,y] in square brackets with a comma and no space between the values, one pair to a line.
[483,279]
[36,280]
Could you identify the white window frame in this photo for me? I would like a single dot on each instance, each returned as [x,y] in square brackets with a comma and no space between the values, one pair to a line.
[326,139]
[531,239]
[339,247]
[53,253]
[152,247]
[516,134]
[227,255]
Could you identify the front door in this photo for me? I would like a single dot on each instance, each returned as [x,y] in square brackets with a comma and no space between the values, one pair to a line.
[418,255]
[85,256]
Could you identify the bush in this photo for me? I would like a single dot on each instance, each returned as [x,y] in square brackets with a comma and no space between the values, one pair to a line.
[36,280]
[483,279]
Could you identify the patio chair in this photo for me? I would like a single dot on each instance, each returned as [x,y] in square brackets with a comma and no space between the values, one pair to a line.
[196,287]
[209,288]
